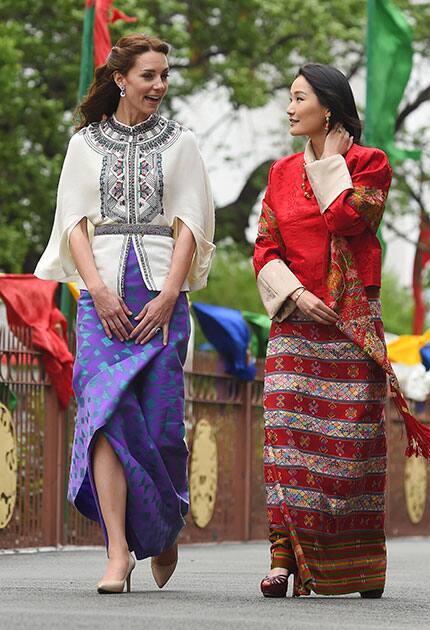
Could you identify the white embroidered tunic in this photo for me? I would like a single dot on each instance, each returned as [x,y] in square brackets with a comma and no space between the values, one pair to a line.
[151,174]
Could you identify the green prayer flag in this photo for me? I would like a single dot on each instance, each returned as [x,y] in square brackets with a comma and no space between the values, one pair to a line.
[85,79]
[87,50]
[260,327]
[389,64]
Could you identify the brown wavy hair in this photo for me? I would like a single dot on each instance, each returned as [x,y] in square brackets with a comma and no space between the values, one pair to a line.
[103,95]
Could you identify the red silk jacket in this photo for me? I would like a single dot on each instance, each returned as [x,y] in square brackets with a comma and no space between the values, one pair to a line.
[302,230]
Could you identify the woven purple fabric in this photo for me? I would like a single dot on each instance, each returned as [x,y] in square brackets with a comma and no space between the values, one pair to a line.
[135,395]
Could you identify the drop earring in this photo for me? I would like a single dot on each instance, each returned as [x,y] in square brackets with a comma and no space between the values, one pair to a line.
[122,91]
[327,121]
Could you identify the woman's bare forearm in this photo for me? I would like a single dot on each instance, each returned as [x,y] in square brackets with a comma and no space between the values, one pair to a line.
[183,253]
[82,254]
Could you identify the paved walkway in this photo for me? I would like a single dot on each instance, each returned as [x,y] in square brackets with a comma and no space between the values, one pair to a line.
[215,587]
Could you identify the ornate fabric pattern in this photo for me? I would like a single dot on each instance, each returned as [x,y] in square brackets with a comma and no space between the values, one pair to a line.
[131,180]
[268,226]
[154,134]
[359,555]
[325,457]
[348,297]
[134,394]
[331,351]
[131,177]
[368,202]
[112,186]
[322,464]
[342,391]
[319,502]
[331,428]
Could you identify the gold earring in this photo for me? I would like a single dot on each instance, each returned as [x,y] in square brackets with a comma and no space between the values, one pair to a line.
[327,121]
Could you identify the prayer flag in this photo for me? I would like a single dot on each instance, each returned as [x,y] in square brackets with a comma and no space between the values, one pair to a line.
[389,64]
[96,41]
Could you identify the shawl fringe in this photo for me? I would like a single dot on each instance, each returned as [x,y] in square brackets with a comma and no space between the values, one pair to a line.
[418,434]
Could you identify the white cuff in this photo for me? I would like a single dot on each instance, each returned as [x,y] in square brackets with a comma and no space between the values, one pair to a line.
[275,283]
[329,178]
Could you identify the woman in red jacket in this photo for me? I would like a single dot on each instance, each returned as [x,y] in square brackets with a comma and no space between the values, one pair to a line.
[318,265]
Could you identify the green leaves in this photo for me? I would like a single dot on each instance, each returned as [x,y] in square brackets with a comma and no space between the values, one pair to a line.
[39,56]
[250,48]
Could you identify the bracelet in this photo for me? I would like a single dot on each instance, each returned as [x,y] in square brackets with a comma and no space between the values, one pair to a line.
[296,297]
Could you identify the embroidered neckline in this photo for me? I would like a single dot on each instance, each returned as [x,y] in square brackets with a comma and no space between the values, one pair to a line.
[133,130]
[156,133]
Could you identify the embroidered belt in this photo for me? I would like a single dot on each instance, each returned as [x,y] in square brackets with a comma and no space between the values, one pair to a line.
[133,228]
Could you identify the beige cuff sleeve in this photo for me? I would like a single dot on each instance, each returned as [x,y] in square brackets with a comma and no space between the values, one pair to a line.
[329,178]
[275,283]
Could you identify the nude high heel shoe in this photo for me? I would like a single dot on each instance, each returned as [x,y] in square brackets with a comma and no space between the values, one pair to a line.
[117,586]
[163,572]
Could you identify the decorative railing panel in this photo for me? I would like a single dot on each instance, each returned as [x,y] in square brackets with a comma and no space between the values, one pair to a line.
[224,427]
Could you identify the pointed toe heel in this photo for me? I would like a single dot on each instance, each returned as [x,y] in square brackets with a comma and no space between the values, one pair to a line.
[163,572]
[109,587]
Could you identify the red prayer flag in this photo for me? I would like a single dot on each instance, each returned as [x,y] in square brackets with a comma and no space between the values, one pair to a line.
[96,41]
[30,303]
[119,15]
[102,40]
[422,258]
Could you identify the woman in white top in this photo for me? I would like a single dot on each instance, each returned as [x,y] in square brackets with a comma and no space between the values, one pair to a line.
[133,226]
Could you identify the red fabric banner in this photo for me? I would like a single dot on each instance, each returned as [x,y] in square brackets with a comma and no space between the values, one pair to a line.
[102,40]
[422,258]
[119,15]
[30,303]
[104,15]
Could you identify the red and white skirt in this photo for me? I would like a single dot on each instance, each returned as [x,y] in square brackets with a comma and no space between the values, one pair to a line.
[325,457]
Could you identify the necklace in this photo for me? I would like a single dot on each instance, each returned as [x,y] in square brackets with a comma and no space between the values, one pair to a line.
[306,193]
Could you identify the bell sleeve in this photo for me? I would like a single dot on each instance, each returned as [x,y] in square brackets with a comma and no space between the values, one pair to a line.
[275,281]
[350,203]
[188,197]
[73,200]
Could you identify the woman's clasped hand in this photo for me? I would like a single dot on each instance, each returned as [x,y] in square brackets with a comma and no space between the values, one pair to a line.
[309,304]
[155,316]
[114,315]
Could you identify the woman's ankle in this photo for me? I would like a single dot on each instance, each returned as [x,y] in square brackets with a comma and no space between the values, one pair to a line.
[117,550]
[278,571]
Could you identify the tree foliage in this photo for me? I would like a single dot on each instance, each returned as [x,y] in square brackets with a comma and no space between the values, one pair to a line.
[248,48]
[232,281]
[39,56]
[397,306]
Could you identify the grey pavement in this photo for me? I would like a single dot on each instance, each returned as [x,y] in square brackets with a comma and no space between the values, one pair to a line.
[214,587]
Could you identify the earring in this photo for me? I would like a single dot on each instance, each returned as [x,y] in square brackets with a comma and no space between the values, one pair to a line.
[327,121]
[122,91]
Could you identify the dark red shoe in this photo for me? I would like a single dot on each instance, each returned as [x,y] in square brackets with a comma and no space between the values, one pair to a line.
[275,586]
[375,594]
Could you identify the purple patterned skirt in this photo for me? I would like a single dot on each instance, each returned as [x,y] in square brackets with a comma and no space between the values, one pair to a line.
[134,394]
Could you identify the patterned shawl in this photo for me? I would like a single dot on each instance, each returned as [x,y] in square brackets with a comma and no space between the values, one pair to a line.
[348,297]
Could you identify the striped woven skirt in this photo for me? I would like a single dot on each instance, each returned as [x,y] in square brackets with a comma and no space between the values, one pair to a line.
[325,457]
